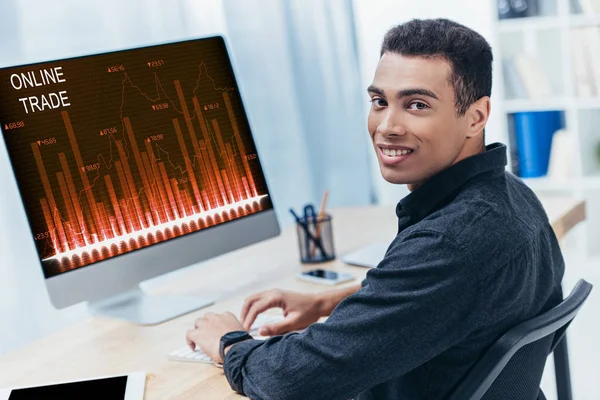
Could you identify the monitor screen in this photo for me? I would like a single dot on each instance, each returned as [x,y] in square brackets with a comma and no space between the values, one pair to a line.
[119,151]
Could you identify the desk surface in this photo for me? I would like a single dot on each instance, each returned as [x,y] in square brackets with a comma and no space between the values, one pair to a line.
[99,346]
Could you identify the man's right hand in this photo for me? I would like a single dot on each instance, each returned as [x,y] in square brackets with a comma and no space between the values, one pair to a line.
[299,309]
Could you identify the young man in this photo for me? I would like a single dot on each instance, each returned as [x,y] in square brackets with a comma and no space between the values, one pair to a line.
[474,254]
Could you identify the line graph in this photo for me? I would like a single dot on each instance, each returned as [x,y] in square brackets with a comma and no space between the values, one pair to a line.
[142,156]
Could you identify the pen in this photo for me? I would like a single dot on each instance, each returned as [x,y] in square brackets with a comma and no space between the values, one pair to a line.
[306,230]
[320,221]
[308,234]
[311,216]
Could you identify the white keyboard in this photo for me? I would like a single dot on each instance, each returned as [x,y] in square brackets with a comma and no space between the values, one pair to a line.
[188,355]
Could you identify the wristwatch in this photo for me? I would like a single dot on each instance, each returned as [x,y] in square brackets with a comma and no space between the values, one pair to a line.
[231,338]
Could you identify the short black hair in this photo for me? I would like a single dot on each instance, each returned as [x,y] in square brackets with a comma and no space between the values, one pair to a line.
[467,52]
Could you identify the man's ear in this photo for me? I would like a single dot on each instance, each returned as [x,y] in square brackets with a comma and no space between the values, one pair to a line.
[477,116]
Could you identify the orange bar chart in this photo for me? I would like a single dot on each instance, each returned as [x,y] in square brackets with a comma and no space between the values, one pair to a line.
[143,190]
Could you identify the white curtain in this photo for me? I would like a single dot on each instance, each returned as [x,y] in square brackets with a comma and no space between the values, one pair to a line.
[297,67]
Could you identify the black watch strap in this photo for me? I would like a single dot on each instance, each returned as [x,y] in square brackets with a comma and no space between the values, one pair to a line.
[232,338]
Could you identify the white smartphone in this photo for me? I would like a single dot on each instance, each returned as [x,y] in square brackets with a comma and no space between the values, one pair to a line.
[126,387]
[325,277]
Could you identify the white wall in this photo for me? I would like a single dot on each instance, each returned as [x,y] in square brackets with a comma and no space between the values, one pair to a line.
[374,18]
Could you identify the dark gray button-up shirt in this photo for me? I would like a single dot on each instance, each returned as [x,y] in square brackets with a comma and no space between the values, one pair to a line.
[474,255]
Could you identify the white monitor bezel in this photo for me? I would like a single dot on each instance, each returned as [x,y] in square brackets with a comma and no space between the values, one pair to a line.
[122,273]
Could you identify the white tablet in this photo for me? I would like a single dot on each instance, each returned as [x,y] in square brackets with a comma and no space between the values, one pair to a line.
[369,256]
[124,387]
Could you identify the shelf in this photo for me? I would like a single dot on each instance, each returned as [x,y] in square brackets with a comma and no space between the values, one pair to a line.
[528,24]
[580,21]
[546,184]
[557,103]
[546,22]
[593,102]
[520,105]
[591,182]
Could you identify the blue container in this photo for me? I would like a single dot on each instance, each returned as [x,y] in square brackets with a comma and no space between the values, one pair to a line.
[534,131]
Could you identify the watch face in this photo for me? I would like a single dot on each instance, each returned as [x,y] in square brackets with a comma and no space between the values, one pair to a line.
[235,335]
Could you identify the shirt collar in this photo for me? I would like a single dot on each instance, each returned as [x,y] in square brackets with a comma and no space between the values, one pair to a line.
[421,202]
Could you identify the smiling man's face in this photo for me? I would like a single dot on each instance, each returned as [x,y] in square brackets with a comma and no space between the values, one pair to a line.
[413,122]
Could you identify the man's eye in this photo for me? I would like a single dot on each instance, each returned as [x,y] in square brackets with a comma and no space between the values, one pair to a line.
[417,105]
[379,102]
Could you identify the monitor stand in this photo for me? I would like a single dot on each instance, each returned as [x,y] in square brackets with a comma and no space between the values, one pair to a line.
[140,308]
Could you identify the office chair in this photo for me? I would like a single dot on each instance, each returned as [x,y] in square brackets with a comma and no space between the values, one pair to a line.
[512,367]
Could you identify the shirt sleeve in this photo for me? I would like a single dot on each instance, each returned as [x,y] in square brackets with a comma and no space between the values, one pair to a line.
[419,301]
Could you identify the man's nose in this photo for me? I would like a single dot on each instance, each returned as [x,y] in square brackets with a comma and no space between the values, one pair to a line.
[391,125]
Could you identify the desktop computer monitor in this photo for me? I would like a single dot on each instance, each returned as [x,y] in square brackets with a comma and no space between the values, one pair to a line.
[131,164]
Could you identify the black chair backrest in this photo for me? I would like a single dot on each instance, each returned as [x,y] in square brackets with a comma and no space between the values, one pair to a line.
[537,338]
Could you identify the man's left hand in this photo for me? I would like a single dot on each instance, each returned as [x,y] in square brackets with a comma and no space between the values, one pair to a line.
[208,332]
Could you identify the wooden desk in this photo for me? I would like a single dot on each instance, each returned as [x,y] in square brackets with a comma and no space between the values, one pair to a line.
[99,346]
